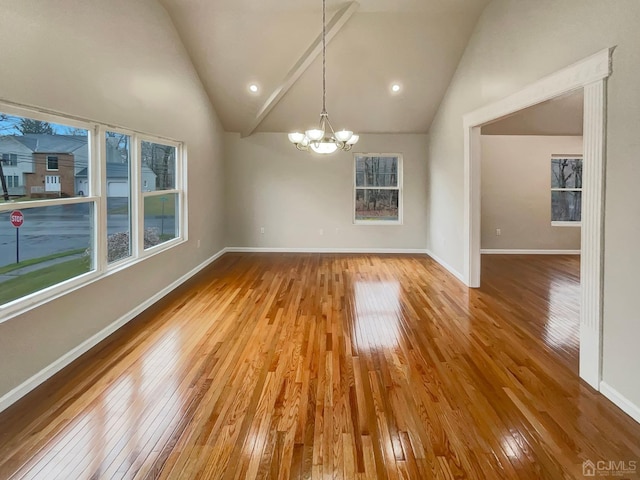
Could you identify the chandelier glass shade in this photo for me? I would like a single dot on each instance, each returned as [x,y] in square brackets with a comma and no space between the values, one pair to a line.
[324,139]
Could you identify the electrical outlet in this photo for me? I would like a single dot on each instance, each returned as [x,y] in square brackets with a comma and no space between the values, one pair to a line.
[321,231]
[262,230]
[498,232]
[198,243]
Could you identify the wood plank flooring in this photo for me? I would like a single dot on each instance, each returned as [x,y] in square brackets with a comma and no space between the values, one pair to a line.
[292,366]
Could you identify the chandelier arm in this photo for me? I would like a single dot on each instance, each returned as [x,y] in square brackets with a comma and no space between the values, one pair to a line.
[324,119]
[341,145]
[328,122]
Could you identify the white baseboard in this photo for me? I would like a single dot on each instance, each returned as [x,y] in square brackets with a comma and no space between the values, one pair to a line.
[626,405]
[28,385]
[410,251]
[499,251]
[448,267]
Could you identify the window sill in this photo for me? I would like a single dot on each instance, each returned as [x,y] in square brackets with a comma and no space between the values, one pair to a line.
[378,222]
[566,224]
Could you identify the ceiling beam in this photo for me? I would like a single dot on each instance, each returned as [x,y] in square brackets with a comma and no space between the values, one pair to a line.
[315,49]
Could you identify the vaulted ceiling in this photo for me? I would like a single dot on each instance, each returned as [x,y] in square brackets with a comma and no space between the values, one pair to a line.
[414,43]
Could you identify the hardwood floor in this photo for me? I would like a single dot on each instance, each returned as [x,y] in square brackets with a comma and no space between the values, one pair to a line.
[331,366]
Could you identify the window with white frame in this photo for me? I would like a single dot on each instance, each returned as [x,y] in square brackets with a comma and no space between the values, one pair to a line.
[12,181]
[52,162]
[118,191]
[10,159]
[566,190]
[377,189]
[161,203]
[91,215]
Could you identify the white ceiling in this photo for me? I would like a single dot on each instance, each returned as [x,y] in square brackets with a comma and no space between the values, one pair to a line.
[559,116]
[416,43]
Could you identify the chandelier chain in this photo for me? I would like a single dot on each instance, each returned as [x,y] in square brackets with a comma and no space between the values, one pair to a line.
[324,140]
[324,56]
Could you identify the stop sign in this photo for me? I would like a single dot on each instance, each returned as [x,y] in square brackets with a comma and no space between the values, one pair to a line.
[16,218]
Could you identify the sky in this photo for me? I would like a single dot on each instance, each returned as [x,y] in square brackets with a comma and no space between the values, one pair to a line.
[8,125]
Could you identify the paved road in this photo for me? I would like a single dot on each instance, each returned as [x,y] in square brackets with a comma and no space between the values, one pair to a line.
[49,230]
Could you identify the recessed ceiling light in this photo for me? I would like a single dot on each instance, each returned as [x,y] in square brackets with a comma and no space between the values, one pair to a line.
[395,87]
[253,88]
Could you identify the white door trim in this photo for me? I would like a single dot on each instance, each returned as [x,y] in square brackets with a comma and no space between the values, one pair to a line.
[590,74]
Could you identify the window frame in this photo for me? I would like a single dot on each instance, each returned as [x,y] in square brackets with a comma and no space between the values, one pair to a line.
[180,172]
[104,237]
[564,223]
[399,188]
[11,159]
[48,169]
[97,195]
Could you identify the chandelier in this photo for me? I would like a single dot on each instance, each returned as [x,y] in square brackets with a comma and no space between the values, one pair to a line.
[324,139]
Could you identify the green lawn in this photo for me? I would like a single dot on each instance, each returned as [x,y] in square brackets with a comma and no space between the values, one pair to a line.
[153,206]
[43,278]
[12,199]
[32,261]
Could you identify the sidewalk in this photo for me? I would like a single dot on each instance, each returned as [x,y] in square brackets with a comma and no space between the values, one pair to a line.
[32,268]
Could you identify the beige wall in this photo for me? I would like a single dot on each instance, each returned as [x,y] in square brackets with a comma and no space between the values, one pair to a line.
[117,62]
[516,43]
[293,194]
[516,173]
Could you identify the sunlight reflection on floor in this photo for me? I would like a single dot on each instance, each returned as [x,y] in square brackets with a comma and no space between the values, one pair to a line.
[561,328]
[377,314]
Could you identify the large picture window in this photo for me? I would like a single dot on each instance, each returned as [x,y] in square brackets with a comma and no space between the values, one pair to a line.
[91,198]
[566,190]
[378,189]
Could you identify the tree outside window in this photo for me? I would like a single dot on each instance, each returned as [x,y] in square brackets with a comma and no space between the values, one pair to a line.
[566,189]
[378,181]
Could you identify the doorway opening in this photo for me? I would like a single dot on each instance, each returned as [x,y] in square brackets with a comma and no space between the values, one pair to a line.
[531,177]
[590,75]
